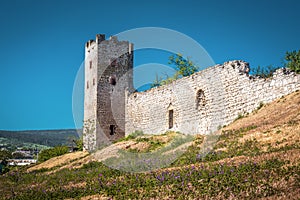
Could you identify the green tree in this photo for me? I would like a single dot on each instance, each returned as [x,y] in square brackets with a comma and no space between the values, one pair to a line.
[46,154]
[293,61]
[184,67]
[5,154]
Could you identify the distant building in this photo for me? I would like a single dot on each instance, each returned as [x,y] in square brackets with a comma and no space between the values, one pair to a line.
[21,162]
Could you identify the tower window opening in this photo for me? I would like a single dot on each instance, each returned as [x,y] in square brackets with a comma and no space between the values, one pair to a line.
[91,63]
[112,80]
[93,81]
[171,113]
[87,85]
[112,129]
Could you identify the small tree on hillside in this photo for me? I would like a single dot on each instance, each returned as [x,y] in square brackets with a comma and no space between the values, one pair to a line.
[293,61]
[4,156]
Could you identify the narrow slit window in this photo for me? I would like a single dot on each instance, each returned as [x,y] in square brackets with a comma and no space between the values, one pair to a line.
[200,99]
[93,81]
[87,85]
[171,113]
[112,129]
[91,63]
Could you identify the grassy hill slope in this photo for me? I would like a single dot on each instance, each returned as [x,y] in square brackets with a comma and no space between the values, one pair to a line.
[255,157]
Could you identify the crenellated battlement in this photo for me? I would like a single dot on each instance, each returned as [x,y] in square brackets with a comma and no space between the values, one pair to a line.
[89,43]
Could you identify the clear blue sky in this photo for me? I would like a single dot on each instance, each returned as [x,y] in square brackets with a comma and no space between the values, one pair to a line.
[42,44]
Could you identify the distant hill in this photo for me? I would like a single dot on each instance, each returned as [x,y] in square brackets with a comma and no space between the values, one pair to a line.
[48,138]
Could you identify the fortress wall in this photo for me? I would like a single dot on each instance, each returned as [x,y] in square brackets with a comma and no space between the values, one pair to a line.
[205,100]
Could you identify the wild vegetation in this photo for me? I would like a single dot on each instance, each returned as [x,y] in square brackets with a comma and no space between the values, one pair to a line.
[264,72]
[183,66]
[256,157]
[186,67]
[46,154]
[291,61]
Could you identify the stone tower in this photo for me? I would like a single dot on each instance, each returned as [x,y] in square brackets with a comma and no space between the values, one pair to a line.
[108,77]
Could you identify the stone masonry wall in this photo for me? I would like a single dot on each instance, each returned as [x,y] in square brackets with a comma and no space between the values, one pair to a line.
[90,95]
[205,100]
[108,74]
[115,65]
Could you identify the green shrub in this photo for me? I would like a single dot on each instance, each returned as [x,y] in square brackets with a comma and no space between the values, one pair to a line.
[240,116]
[79,144]
[293,61]
[132,136]
[261,104]
[264,72]
[52,152]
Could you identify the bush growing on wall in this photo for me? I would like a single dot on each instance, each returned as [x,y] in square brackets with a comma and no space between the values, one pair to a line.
[264,72]
[293,61]
[184,67]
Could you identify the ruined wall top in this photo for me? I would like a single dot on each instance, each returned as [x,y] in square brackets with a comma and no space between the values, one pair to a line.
[237,67]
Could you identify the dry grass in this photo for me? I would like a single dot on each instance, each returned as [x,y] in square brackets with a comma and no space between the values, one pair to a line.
[277,123]
[293,156]
[95,197]
[290,194]
[74,164]
[59,161]
[282,111]
[138,146]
